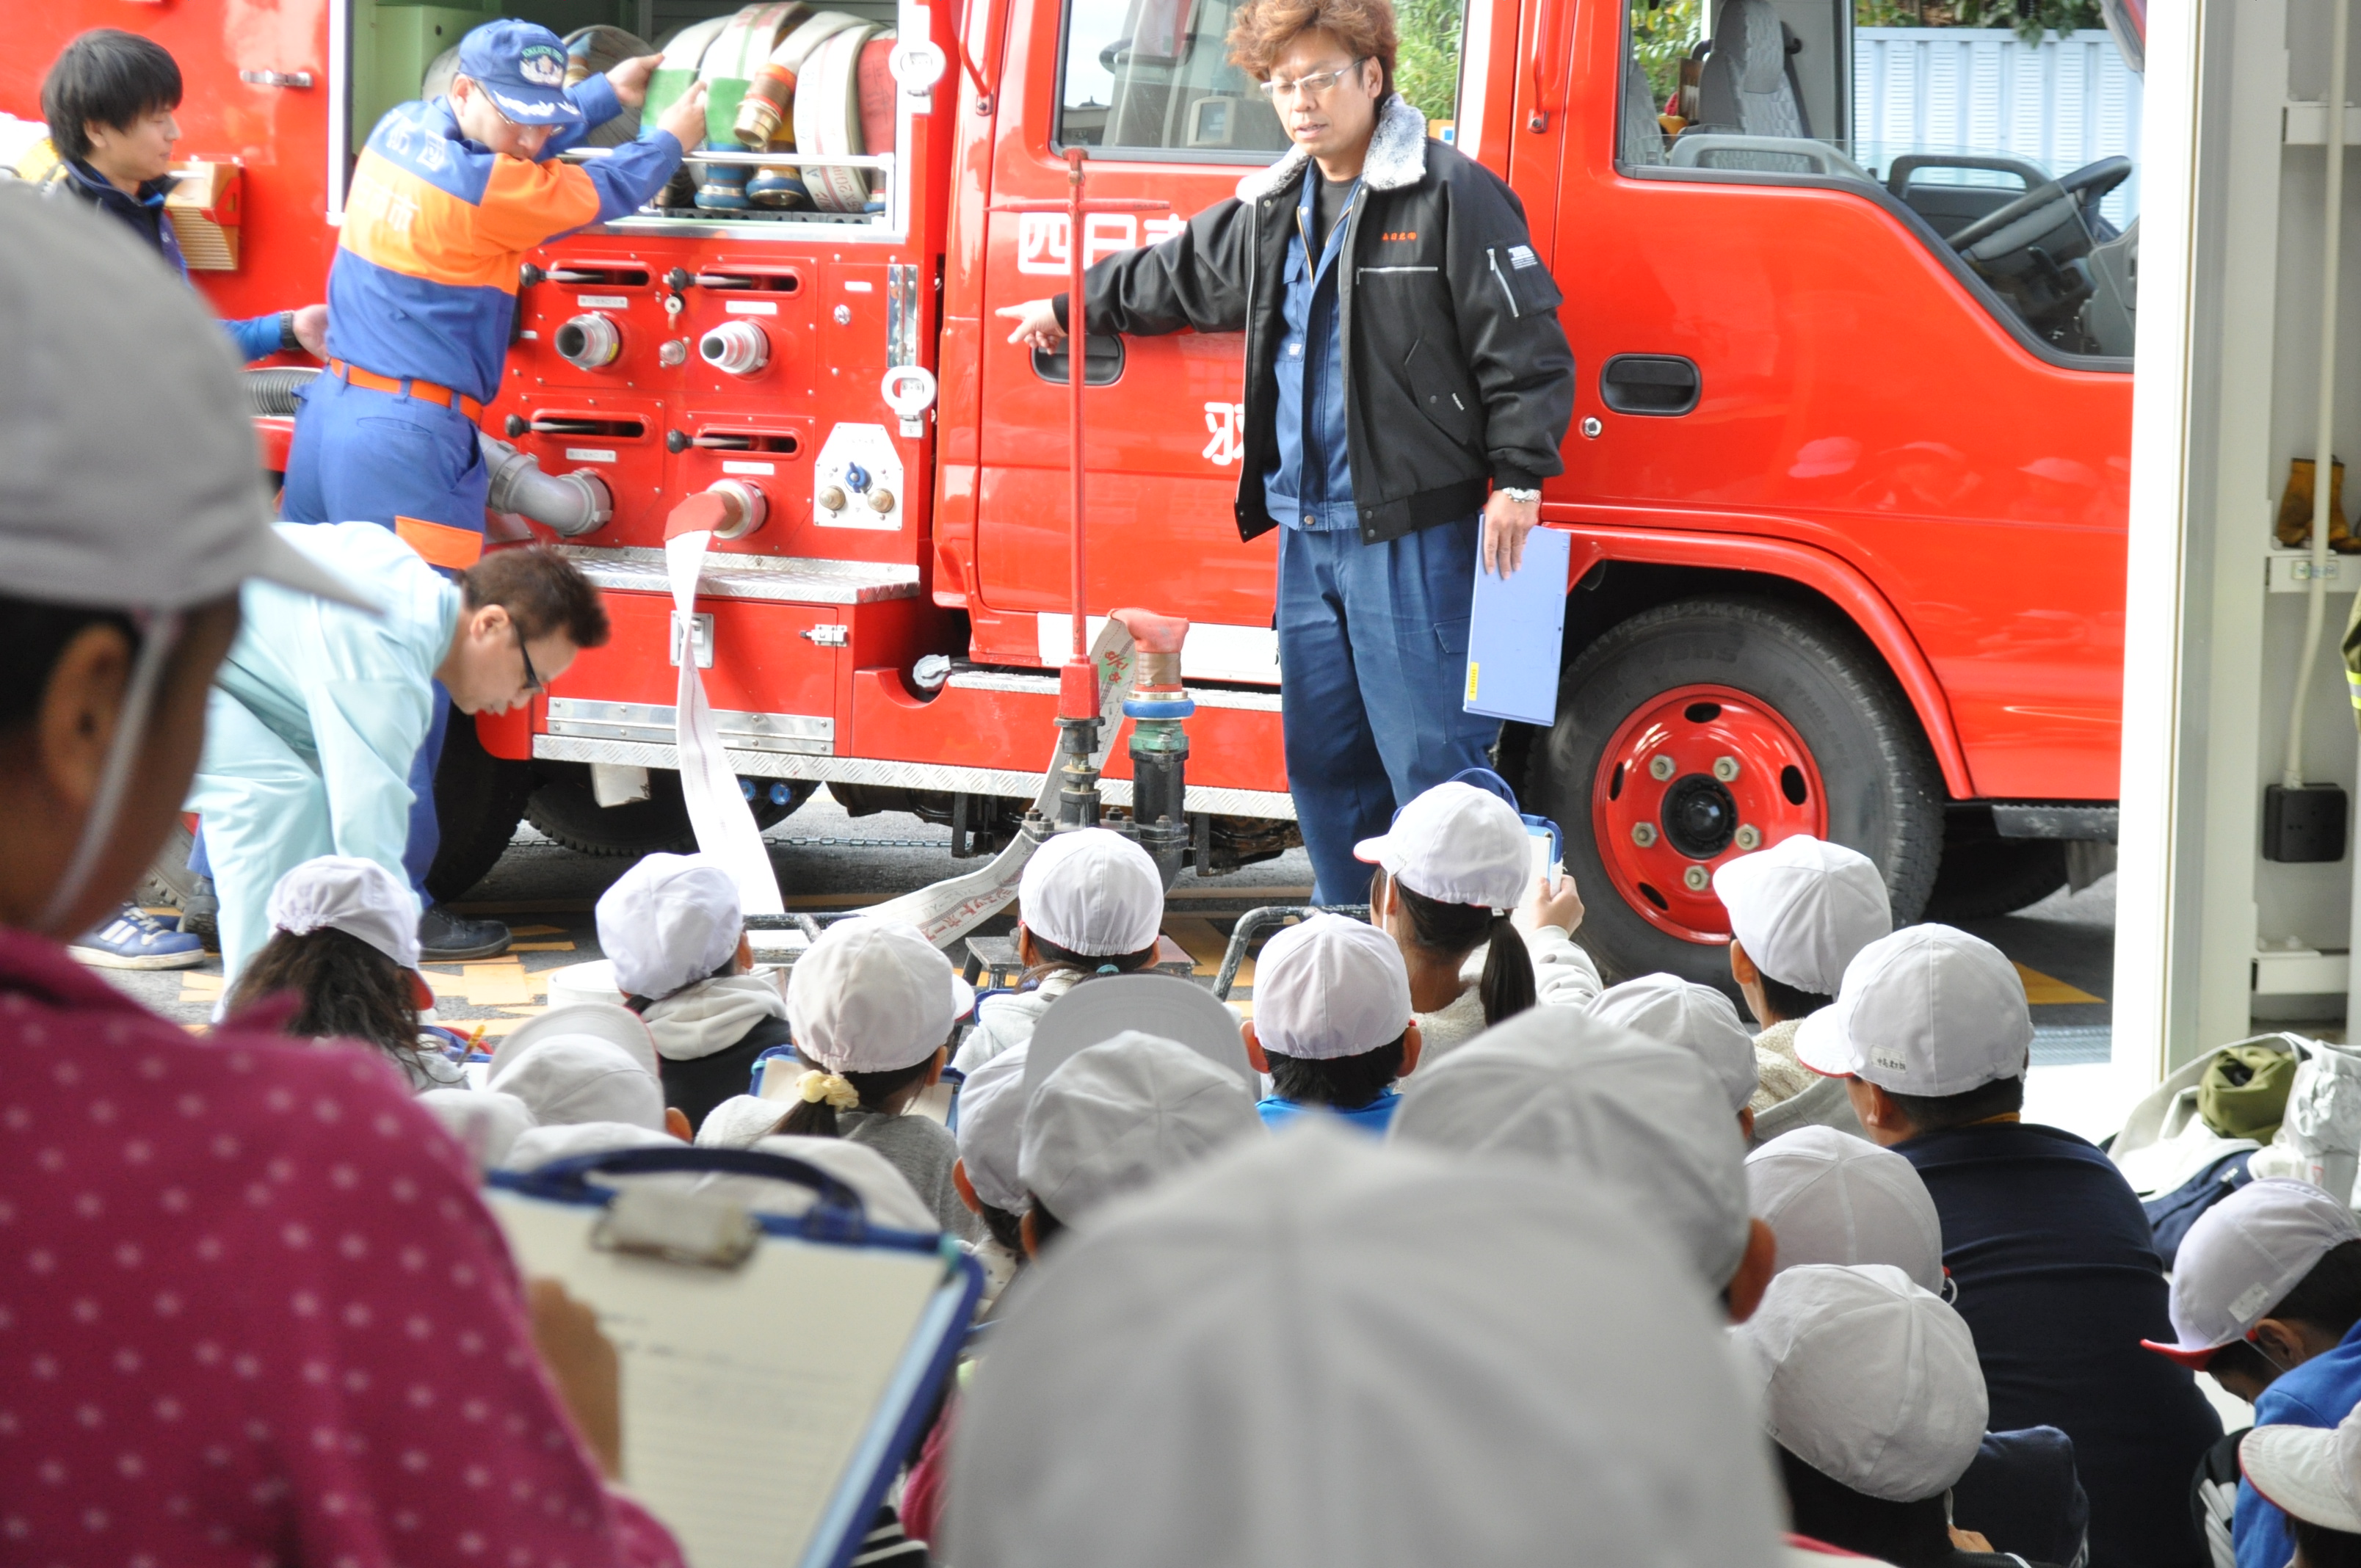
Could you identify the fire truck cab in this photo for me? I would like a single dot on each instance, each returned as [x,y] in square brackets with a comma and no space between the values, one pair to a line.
[1847,477]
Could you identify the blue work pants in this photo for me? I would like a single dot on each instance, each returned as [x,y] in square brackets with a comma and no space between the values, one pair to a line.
[1373,671]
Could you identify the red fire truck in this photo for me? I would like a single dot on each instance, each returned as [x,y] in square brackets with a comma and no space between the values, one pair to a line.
[1846,480]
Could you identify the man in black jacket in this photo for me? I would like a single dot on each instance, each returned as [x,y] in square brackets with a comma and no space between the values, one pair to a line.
[1407,388]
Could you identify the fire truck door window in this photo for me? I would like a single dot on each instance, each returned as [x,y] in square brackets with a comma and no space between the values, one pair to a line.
[2012,159]
[1154,76]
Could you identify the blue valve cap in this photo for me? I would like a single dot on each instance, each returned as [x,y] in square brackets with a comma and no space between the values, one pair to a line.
[856,478]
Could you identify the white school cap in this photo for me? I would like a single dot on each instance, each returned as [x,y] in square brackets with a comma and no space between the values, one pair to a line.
[2312,1474]
[1606,1108]
[608,1021]
[1928,1010]
[1455,844]
[1331,987]
[1092,892]
[2242,1258]
[887,1196]
[347,894]
[1696,1017]
[1122,1115]
[1868,1379]
[1832,1198]
[1332,1353]
[668,922]
[873,996]
[740,1121]
[486,1124]
[992,1129]
[536,1146]
[1802,907]
[580,1077]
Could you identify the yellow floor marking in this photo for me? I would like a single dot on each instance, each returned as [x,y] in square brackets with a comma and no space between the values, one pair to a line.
[536,930]
[489,985]
[541,947]
[196,987]
[1199,939]
[2041,989]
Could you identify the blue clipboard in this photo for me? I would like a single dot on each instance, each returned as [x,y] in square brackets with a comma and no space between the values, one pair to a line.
[775,1376]
[1516,632]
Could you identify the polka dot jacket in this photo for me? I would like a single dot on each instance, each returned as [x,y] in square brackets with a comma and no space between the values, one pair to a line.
[252,1312]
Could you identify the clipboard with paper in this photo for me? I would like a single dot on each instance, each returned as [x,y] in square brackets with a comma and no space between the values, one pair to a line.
[776,1367]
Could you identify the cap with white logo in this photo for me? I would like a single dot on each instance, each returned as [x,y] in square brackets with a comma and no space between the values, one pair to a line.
[523,66]
[1331,987]
[1696,1017]
[2242,1258]
[1868,1379]
[1456,844]
[1832,1198]
[1802,907]
[1928,1010]
[1092,892]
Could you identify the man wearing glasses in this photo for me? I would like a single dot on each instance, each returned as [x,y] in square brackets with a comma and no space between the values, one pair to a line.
[318,710]
[445,201]
[1407,388]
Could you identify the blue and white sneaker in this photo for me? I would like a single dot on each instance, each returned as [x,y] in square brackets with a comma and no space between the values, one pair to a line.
[136,939]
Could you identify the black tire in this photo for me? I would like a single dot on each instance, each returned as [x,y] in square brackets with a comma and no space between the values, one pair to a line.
[564,809]
[478,799]
[1884,795]
[1981,878]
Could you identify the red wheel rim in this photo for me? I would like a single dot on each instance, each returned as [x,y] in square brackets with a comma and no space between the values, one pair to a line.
[1693,778]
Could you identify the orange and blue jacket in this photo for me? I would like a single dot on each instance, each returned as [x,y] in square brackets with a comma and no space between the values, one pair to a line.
[426,278]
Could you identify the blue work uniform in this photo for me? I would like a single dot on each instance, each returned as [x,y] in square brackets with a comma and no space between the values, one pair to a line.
[1373,1118]
[1372,637]
[257,336]
[2320,1393]
[312,722]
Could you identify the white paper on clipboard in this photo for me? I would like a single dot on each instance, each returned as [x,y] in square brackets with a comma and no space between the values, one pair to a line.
[759,1401]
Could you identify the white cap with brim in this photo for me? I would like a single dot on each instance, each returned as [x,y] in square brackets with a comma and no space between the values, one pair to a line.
[581,1078]
[1868,1379]
[1696,1017]
[1830,1197]
[669,921]
[537,1146]
[358,897]
[1929,1010]
[1122,1116]
[1802,907]
[610,1021]
[2241,1258]
[887,1196]
[1331,988]
[487,1124]
[1608,1107]
[992,1129]
[1092,892]
[1323,1350]
[740,1121]
[874,996]
[1456,844]
[2312,1474]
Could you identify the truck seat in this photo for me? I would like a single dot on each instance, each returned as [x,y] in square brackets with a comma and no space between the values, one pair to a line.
[1643,135]
[1745,86]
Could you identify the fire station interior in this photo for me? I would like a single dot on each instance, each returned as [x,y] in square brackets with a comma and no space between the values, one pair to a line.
[1766,93]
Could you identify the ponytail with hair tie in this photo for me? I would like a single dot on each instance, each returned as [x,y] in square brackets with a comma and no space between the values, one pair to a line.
[837,1090]
[1508,987]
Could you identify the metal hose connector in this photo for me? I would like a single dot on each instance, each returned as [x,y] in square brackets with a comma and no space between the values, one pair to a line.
[270,392]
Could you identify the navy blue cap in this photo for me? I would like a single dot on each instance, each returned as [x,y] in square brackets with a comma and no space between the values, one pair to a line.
[523,66]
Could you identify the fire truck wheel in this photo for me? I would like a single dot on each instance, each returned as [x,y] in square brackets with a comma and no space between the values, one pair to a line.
[1982,877]
[477,799]
[564,809]
[1701,730]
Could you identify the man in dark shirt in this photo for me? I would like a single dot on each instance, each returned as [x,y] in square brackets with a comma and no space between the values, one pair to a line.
[2058,1273]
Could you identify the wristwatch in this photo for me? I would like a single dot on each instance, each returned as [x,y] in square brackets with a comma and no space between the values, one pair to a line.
[288,341]
[1523,498]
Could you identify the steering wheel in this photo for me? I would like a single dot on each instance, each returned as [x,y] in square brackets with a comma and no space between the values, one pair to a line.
[2088,183]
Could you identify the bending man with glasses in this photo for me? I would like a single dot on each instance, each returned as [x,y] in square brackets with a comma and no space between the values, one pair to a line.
[318,710]
[447,198]
[1407,388]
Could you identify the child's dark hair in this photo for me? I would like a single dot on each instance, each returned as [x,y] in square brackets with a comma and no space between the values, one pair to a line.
[2240,1358]
[1934,1113]
[1006,1228]
[2320,1547]
[343,987]
[1790,1000]
[105,77]
[2329,1298]
[1047,1227]
[816,1118]
[1054,957]
[1347,1083]
[1506,987]
[33,638]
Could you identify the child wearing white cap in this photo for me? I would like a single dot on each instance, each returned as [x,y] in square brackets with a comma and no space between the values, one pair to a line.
[2266,1301]
[873,1004]
[991,1132]
[672,929]
[1695,1017]
[1117,1118]
[1832,1198]
[1332,1023]
[1610,1109]
[1482,936]
[1799,910]
[1871,1394]
[2313,1476]
[1091,903]
[344,943]
[2055,1264]
[1320,1350]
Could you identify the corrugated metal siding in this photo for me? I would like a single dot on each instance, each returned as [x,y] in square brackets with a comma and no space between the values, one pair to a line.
[2063,102]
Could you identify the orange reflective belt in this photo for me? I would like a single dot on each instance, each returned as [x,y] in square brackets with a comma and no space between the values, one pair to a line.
[440,544]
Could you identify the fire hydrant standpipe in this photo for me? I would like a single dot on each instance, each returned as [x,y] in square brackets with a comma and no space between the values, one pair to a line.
[1078,683]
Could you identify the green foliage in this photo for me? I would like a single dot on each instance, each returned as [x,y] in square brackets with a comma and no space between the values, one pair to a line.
[1661,35]
[2030,18]
[1426,71]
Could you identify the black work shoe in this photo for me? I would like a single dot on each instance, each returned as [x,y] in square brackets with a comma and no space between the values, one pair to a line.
[447,938]
[200,912]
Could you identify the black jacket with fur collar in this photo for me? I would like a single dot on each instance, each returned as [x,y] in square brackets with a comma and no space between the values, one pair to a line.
[1452,342]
